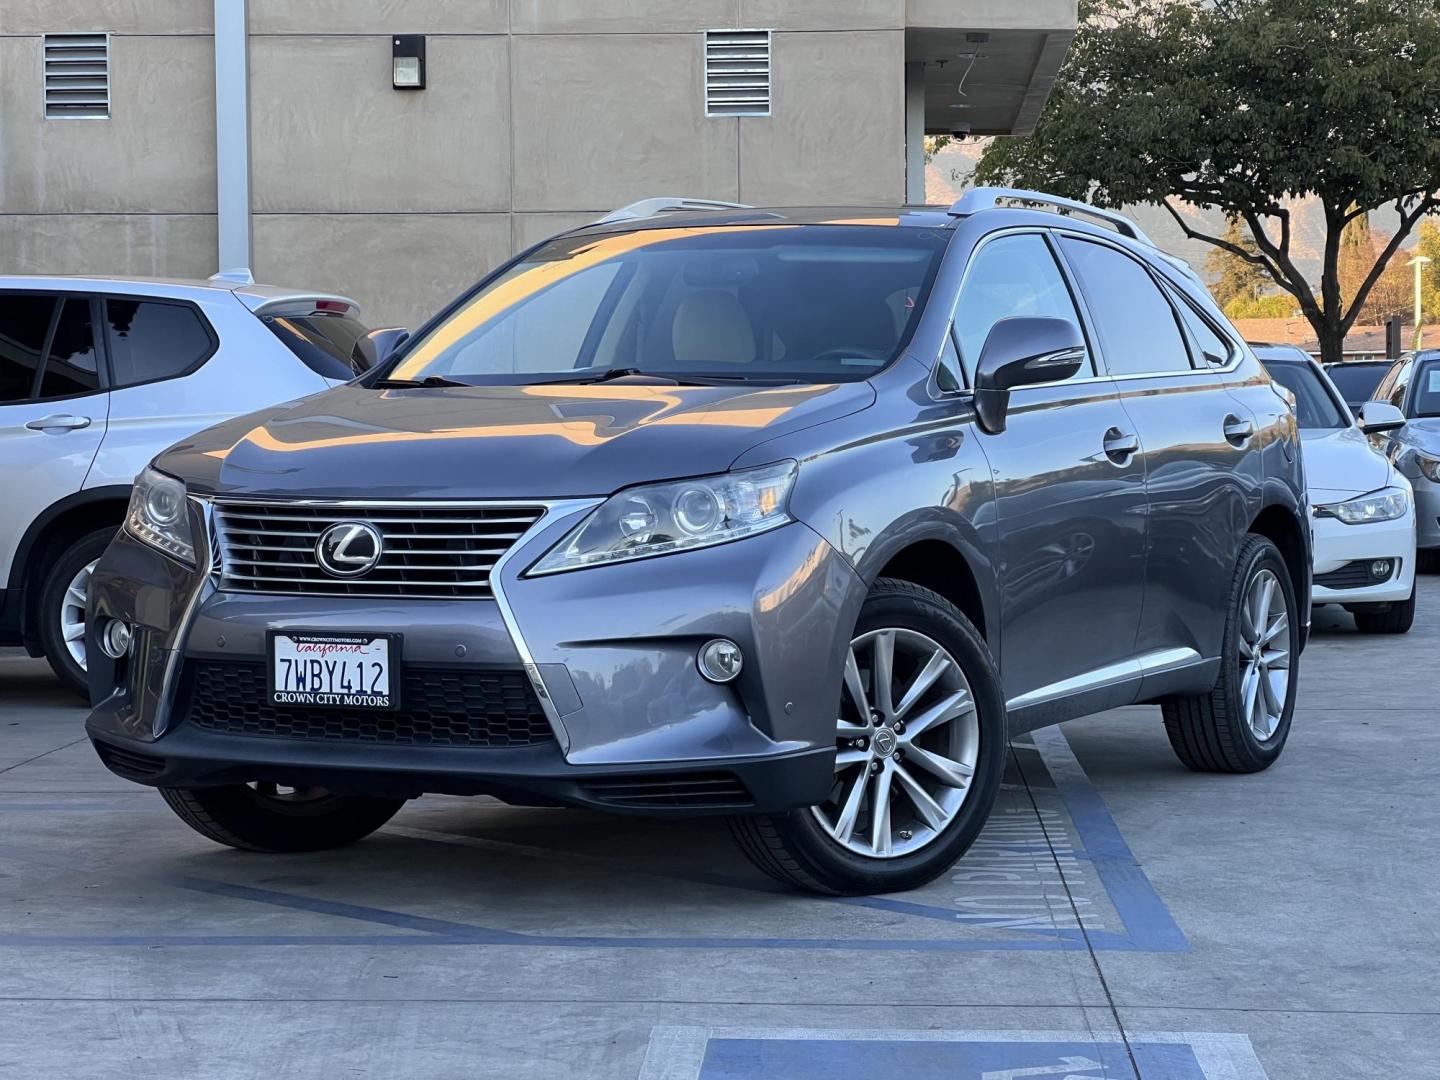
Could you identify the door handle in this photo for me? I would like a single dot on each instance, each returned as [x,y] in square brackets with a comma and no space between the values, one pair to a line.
[1237,431]
[1120,445]
[59,422]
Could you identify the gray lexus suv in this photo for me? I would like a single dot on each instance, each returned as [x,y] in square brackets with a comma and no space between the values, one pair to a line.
[793,516]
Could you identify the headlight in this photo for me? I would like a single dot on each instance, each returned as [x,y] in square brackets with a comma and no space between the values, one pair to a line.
[160,516]
[1429,466]
[676,516]
[1385,505]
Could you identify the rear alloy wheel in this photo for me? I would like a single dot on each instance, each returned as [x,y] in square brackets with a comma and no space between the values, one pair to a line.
[920,746]
[61,615]
[1241,725]
[276,818]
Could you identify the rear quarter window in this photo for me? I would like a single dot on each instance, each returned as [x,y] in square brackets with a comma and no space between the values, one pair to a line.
[151,340]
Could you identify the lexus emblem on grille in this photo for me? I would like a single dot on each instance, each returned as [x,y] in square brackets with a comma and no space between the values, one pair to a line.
[349,548]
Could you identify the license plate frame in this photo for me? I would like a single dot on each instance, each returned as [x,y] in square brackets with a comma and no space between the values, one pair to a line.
[329,698]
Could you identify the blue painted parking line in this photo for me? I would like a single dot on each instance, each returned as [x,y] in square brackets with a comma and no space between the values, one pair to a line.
[698,1053]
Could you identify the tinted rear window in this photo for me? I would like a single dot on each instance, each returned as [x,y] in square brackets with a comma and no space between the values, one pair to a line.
[331,345]
[1357,382]
[804,303]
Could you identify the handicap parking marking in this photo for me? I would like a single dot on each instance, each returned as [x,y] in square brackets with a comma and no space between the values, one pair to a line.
[1050,871]
[737,1053]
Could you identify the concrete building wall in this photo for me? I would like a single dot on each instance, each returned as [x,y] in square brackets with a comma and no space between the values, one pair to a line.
[537,115]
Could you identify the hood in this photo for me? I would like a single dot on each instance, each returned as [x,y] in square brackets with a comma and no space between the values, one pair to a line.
[497,441]
[1341,463]
[1423,432]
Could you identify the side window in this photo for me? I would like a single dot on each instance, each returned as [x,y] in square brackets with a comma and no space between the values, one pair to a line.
[153,339]
[1382,388]
[1401,384]
[71,368]
[24,326]
[1139,334]
[1010,276]
[1212,349]
[947,374]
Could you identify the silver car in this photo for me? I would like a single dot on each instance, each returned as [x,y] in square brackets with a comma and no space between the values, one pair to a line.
[96,376]
[1412,385]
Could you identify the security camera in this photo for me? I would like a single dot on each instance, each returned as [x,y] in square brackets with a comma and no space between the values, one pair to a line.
[961,130]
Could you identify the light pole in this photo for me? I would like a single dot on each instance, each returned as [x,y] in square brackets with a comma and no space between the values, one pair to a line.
[1419,262]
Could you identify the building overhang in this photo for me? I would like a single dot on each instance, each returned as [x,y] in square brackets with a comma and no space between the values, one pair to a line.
[988,64]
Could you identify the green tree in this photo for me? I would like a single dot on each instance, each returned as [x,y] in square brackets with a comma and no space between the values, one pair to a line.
[1232,276]
[1274,306]
[1241,105]
[1429,246]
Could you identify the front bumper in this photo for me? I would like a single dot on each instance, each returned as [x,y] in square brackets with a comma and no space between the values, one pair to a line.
[1427,511]
[1338,544]
[636,727]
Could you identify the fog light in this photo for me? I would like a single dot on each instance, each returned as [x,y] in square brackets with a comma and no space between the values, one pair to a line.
[1380,569]
[115,639]
[719,660]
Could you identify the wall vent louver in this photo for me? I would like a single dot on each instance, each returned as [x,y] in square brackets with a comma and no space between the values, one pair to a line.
[737,73]
[77,76]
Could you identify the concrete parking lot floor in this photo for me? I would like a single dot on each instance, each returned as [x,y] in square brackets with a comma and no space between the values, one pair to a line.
[1121,917]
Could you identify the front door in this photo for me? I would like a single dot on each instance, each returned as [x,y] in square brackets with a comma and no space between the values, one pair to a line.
[52,408]
[1070,498]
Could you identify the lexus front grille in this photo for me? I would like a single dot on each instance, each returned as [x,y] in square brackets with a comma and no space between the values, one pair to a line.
[435,550]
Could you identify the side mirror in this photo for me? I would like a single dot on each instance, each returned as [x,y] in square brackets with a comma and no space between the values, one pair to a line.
[377,345]
[1019,352]
[1377,417]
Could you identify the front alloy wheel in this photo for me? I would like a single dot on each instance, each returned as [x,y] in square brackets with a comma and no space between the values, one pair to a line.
[919,750]
[906,743]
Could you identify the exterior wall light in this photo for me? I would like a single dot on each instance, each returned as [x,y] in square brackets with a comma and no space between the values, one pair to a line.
[407,60]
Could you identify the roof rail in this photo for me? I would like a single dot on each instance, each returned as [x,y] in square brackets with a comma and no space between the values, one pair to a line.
[983,198]
[650,207]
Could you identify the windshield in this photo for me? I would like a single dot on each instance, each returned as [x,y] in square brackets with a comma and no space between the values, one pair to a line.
[761,303]
[1314,407]
[1427,389]
[1357,382]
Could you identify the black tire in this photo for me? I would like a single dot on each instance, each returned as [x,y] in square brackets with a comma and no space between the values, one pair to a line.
[52,597]
[243,817]
[1428,560]
[1396,618]
[1208,732]
[794,849]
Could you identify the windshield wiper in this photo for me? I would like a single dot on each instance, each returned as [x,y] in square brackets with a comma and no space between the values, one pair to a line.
[406,384]
[610,374]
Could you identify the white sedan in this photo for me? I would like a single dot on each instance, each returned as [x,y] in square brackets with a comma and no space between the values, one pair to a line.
[1364,509]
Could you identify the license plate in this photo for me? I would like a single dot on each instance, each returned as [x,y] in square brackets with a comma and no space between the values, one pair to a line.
[350,671]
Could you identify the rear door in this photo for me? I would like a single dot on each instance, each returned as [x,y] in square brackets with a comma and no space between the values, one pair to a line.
[155,346]
[1197,441]
[53,406]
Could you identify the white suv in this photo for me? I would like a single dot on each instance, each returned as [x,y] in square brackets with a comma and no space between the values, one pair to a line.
[97,375]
